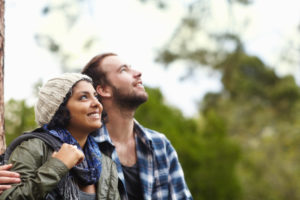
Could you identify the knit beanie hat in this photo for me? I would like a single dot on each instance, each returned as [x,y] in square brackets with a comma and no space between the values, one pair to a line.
[52,94]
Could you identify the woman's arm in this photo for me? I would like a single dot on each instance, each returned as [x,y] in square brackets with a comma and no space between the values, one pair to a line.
[40,172]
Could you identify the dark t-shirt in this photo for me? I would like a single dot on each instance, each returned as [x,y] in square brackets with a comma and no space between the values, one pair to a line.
[86,196]
[133,182]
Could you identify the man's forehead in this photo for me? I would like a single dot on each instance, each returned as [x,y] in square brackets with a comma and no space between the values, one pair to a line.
[113,61]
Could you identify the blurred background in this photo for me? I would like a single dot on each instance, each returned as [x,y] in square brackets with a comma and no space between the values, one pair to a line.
[223,79]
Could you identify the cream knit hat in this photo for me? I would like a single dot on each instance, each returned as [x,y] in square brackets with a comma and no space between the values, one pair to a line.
[52,94]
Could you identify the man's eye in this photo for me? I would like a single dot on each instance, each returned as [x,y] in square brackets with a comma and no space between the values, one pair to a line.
[125,68]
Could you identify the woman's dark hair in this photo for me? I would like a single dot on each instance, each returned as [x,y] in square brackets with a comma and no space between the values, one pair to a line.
[62,117]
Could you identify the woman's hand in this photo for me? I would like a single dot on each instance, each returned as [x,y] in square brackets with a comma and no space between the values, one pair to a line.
[69,155]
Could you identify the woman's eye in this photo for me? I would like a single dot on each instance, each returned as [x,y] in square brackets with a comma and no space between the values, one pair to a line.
[83,97]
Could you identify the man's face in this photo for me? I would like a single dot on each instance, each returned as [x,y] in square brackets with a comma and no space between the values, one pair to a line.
[126,83]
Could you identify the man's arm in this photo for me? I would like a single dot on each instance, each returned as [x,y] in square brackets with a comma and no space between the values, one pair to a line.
[7,177]
[177,184]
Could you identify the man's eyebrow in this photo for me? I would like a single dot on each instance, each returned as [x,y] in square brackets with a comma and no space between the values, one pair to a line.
[124,65]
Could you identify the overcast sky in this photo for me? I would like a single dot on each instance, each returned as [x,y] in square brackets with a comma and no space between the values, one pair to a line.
[135,31]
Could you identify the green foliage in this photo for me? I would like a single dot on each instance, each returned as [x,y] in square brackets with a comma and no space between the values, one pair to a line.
[219,156]
[19,117]
[261,111]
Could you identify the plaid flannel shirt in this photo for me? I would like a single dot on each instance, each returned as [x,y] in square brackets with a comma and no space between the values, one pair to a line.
[159,169]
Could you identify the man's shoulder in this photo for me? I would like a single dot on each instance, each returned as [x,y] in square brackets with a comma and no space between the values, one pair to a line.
[152,134]
[158,139]
[155,134]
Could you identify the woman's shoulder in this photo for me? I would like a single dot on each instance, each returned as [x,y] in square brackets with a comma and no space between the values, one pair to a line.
[109,167]
[31,149]
[108,182]
[33,144]
[107,161]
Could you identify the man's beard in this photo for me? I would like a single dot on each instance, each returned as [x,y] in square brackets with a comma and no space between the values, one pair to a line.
[128,100]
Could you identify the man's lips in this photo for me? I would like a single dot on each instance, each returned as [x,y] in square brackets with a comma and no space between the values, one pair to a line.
[139,84]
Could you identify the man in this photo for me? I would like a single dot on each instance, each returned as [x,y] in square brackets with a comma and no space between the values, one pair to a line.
[148,166]
[147,163]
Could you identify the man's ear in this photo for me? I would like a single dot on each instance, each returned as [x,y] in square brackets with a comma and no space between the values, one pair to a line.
[104,91]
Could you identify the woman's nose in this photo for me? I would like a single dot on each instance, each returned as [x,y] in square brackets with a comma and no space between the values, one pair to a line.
[96,103]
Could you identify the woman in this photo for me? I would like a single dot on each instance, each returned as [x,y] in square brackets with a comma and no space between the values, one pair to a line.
[68,109]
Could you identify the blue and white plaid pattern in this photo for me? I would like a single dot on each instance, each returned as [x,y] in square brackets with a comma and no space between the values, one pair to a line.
[160,171]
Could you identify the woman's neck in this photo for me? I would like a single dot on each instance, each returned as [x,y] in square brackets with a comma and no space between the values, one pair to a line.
[80,137]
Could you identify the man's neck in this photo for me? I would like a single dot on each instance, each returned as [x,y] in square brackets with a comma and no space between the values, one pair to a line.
[120,125]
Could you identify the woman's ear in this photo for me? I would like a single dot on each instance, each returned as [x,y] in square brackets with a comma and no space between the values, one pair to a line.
[104,91]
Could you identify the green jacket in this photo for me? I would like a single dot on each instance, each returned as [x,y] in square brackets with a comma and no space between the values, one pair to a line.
[40,173]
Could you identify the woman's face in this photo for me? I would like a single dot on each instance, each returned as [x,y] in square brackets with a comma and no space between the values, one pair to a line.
[84,107]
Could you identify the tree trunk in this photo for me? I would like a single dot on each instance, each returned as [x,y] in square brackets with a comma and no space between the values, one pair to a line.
[2,134]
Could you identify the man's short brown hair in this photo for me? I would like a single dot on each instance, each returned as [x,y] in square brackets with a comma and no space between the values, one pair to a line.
[93,70]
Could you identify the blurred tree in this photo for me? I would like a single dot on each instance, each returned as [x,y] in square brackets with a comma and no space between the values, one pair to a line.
[164,3]
[2,134]
[261,111]
[19,117]
[69,13]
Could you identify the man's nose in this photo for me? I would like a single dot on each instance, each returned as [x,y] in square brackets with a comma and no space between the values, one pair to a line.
[137,73]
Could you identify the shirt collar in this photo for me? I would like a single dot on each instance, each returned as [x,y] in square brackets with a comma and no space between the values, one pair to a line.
[102,135]
[144,135]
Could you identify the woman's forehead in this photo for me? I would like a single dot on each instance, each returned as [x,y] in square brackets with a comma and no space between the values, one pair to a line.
[83,85]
